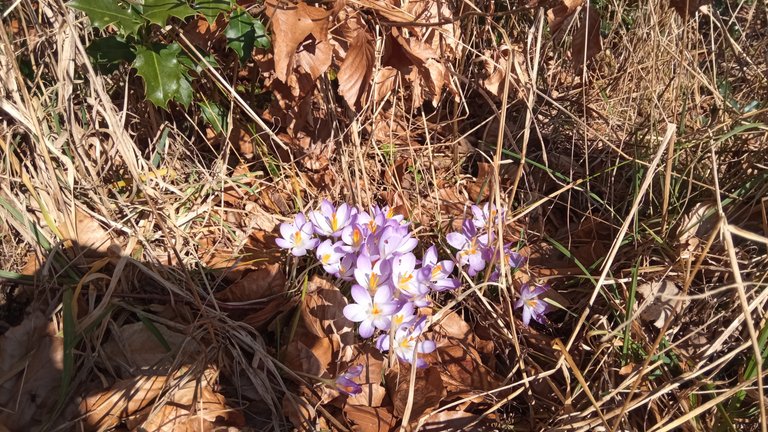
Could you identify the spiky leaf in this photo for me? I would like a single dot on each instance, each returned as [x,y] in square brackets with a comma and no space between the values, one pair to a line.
[214,115]
[244,32]
[102,13]
[159,11]
[163,74]
[107,54]
[211,9]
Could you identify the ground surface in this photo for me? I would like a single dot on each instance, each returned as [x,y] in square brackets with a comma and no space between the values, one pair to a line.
[149,152]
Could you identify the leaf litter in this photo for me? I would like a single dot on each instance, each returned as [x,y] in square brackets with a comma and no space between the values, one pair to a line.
[394,65]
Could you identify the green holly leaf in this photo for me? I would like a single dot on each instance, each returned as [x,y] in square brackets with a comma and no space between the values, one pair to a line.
[214,115]
[164,75]
[103,13]
[158,11]
[109,53]
[211,9]
[244,32]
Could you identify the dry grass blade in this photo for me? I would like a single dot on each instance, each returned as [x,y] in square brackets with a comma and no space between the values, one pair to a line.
[142,285]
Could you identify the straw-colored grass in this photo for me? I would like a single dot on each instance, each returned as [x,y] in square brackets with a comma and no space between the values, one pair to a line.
[114,212]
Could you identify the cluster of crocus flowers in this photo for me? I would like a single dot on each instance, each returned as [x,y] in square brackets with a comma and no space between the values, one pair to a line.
[374,250]
[477,250]
[476,246]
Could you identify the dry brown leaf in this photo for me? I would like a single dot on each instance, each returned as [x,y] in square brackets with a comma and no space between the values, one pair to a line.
[454,421]
[355,72]
[89,233]
[107,409]
[452,329]
[309,354]
[587,41]
[384,83]
[31,361]
[291,25]
[322,313]
[687,8]
[256,285]
[134,347]
[299,411]
[462,370]
[370,379]
[428,389]
[558,15]
[495,63]
[660,301]
[193,407]
[370,419]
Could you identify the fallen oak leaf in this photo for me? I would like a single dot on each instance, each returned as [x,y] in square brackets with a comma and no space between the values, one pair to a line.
[355,72]
[107,409]
[291,25]
[587,41]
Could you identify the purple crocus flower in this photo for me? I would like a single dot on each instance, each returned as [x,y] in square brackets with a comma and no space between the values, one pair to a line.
[514,261]
[404,315]
[436,274]
[330,255]
[406,343]
[330,221]
[297,236]
[392,240]
[347,267]
[354,236]
[372,276]
[371,313]
[486,216]
[472,247]
[533,306]
[405,279]
[344,383]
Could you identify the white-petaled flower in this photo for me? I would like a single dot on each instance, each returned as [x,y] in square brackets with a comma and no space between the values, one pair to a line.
[407,343]
[330,254]
[372,276]
[297,236]
[330,221]
[533,306]
[371,312]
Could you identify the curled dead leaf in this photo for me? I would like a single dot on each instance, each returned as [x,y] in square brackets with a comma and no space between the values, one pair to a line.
[322,313]
[31,361]
[428,389]
[660,302]
[256,285]
[292,24]
[587,41]
[371,359]
[106,409]
[370,419]
[135,347]
[193,406]
[355,72]
[495,65]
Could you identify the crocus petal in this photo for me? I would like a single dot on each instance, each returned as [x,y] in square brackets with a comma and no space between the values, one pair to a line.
[387,309]
[382,343]
[361,295]
[347,386]
[427,346]
[366,329]
[283,243]
[355,312]
[526,316]
[383,294]
[287,230]
[298,252]
[457,240]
